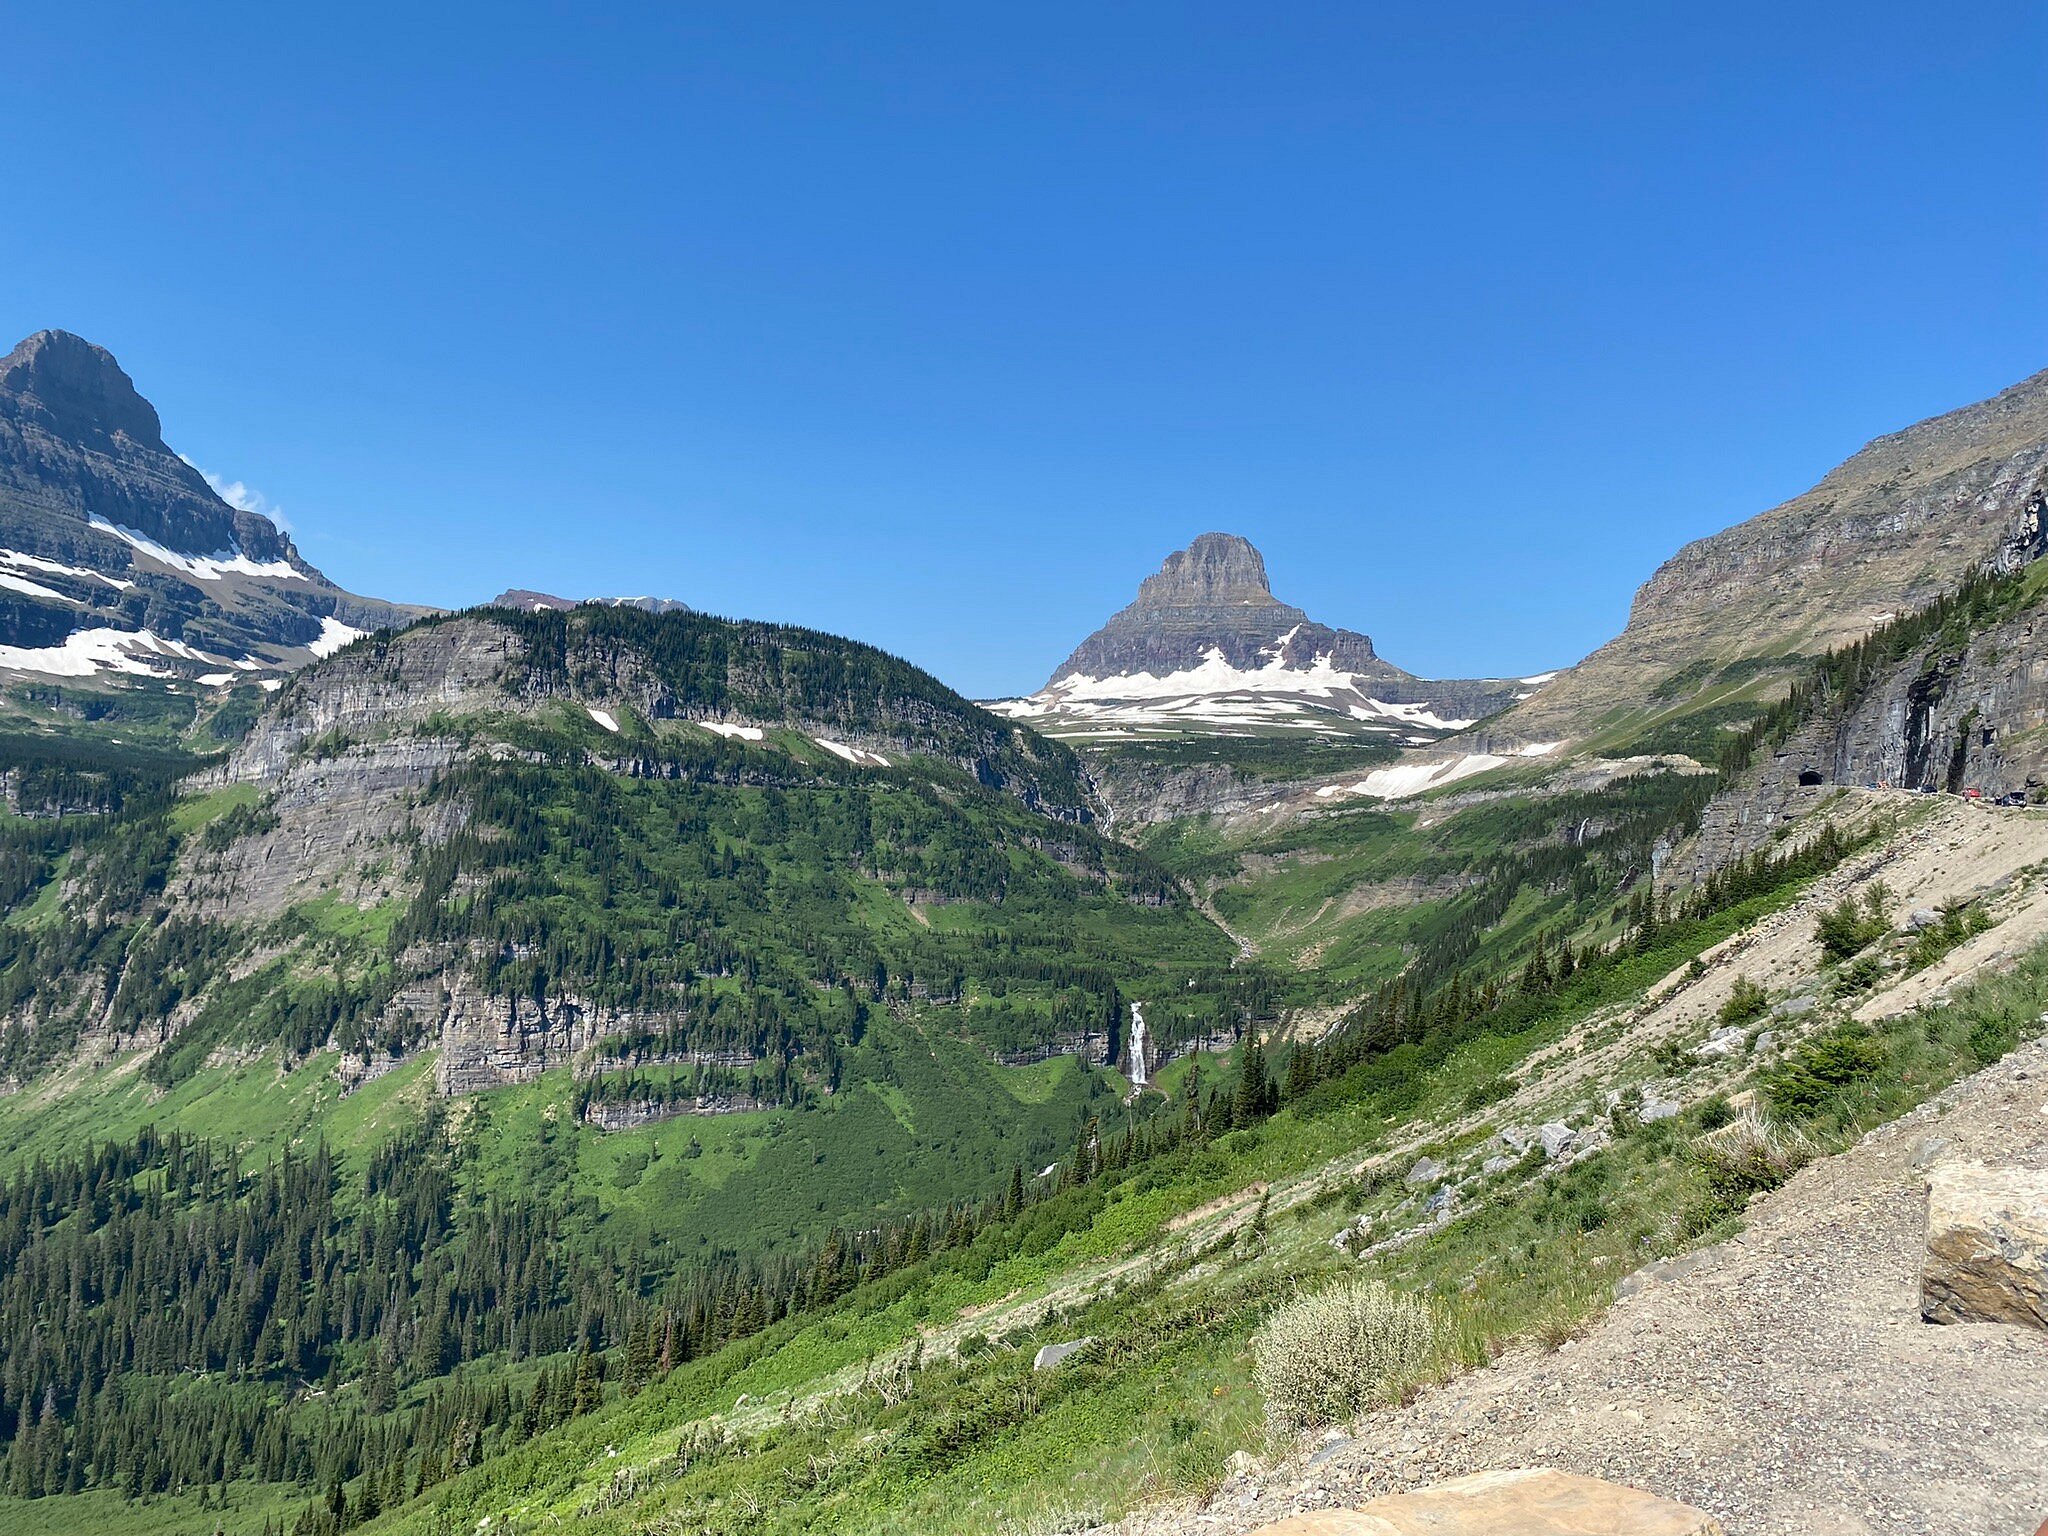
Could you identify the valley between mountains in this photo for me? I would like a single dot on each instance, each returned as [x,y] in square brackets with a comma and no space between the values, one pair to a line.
[598,1064]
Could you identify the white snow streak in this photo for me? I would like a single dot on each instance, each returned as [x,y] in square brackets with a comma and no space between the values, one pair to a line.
[57,568]
[730,732]
[856,755]
[86,651]
[230,561]
[33,588]
[1403,780]
[603,717]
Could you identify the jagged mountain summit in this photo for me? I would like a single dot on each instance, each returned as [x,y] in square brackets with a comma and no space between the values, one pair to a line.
[524,600]
[1206,647]
[117,556]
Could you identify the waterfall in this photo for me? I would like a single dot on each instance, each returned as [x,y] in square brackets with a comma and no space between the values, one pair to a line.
[1138,1073]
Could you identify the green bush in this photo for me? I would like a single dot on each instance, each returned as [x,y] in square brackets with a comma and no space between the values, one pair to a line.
[1846,930]
[1957,924]
[1821,1068]
[1747,1157]
[1747,1001]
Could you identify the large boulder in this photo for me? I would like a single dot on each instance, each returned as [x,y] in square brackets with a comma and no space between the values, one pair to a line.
[1528,1501]
[1987,1246]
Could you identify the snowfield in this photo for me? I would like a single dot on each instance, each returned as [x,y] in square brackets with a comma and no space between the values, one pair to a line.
[229,562]
[333,636]
[1402,780]
[1214,693]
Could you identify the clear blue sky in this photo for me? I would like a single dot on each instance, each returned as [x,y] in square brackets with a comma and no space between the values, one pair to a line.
[939,325]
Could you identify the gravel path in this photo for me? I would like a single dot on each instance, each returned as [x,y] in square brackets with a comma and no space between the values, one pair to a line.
[1782,1381]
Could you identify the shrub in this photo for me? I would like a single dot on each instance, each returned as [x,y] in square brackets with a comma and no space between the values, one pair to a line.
[1714,1112]
[1747,1157]
[1937,939]
[1821,1068]
[1747,1001]
[1846,930]
[1324,1358]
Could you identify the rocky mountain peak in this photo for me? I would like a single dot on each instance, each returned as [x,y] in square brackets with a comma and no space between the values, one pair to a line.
[1218,569]
[77,389]
[1212,598]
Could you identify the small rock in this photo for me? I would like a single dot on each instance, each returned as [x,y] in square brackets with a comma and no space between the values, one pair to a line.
[1722,1043]
[1427,1170]
[1520,1138]
[1498,1164]
[1051,1355]
[1795,1008]
[1921,918]
[1556,1137]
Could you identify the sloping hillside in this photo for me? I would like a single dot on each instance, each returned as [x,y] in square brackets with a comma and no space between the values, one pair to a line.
[1884,533]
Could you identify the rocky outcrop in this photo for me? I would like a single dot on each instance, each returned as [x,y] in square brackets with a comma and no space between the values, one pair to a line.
[1525,1501]
[1956,714]
[1901,522]
[1987,1246]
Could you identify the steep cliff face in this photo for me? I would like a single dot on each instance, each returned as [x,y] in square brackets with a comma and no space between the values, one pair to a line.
[116,556]
[627,667]
[1904,520]
[1963,711]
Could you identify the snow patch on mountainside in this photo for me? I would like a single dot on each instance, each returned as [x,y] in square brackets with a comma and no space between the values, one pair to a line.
[855,755]
[603,717]
[1403,780]
[229,562]
[23,585]
[333,636]
[23,562]
[85,652]
[732,732]
[1277,695]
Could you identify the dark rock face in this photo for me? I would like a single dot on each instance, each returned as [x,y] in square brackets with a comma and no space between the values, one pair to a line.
[1952,716]
[82,454]
[1213,595]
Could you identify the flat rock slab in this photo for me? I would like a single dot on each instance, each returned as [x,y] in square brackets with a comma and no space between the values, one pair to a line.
[1987,1246]
[1527,1501]
[1050,1355]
